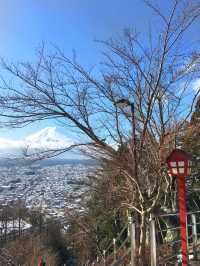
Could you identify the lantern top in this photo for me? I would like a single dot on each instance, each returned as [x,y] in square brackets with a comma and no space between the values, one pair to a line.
[179,163]
[178,155]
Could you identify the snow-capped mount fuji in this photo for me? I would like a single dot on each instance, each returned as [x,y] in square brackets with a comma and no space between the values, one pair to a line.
[46,139]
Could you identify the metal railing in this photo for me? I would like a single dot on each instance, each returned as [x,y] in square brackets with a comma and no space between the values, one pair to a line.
[121,250]
[163,249]
[172,246]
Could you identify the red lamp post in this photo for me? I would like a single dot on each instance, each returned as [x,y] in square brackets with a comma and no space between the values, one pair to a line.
[179,165]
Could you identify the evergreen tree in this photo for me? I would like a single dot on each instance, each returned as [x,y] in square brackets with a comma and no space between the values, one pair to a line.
[191,144]
[191,141]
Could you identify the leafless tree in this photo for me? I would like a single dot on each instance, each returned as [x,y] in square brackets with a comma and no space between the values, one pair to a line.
[157,76]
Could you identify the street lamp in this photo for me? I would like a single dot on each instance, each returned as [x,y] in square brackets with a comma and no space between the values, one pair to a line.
[179,165]
[122,103]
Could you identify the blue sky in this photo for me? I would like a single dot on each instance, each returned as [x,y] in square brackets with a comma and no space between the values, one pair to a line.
[69,24]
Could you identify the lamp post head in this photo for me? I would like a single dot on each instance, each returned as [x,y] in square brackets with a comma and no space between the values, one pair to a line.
[179,163]
[123,103]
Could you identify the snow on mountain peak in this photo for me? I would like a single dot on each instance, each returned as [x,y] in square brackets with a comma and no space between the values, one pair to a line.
[44,134]
[47,138]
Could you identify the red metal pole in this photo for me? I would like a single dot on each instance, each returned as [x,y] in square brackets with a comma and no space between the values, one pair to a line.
[183,219]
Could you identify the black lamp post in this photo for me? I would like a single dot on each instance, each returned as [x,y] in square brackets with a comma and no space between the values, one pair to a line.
[122,103]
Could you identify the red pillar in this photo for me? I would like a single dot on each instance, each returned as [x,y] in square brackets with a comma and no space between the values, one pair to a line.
[183,219]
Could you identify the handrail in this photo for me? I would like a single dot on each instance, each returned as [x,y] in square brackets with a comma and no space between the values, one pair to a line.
[111,256]
[114,252]
[192,237]
[123,243]
[174,214]
[121,259]
[122,231]
[169,229]
[117,238]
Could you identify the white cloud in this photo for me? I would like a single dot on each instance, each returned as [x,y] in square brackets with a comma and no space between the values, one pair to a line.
[10,144]
[196,85]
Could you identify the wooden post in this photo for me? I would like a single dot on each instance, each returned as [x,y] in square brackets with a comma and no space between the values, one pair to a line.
[133,242]
[104,257]
[129,227]
[114,249]
[153,242]
[194,235]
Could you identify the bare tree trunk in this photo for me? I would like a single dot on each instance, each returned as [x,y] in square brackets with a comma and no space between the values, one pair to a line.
[6,228]
[142,243]
[19,225]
